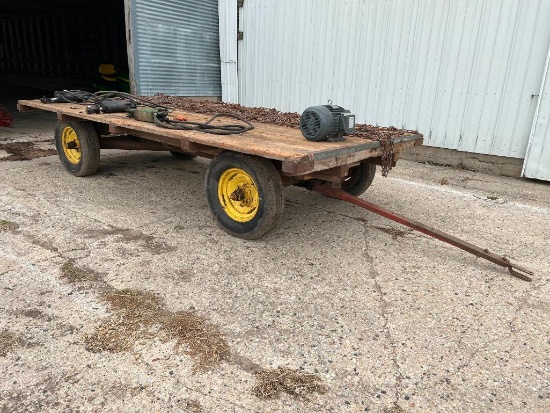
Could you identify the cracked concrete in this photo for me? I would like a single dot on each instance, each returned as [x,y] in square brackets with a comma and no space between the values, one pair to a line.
[373,273]
[391,323]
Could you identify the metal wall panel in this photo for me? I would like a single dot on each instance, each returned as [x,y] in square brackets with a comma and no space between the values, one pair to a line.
[537,161]
[176,47]
[228,50]
[465,73]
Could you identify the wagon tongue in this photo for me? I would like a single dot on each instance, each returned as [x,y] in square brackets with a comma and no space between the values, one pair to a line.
[514,269]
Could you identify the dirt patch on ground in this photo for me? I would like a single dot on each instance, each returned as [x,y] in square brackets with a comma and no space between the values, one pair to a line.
[273,383]
[6,225]
[43,242]
[264,115]
[34,313]
[140,314]
[74,274]
[244,363]
[25,151]
[42,396]
[127,235]
[10,340]
[193,406]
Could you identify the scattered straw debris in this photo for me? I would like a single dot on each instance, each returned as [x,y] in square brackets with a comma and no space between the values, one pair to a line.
[6,225]
[444,181]
[134,304]
[24,151]
[394,232]
[192,406]
[75,274]
[204,343]
[114,336]
[136,313]
[272,383]
[9,341]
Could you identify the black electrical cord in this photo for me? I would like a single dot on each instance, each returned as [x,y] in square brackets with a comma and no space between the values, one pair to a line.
[97,97]
[81,96]
[106,102]
[160,117]
[68,96]
[206,127]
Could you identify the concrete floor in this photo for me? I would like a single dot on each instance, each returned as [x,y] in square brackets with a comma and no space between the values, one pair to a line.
[391,320]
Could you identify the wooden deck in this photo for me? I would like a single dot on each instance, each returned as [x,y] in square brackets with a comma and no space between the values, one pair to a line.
[298,155]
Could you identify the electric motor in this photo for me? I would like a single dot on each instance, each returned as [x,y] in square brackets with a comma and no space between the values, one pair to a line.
[326,123]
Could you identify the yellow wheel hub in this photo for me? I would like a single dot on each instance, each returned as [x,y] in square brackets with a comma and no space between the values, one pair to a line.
[71,145]
[238,195]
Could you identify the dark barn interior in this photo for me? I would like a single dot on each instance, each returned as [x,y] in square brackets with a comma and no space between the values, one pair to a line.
[59,44]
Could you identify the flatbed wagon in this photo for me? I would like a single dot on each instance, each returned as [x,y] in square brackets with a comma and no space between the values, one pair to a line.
[248,171]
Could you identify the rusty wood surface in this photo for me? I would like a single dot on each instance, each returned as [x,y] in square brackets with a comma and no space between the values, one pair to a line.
[298,155]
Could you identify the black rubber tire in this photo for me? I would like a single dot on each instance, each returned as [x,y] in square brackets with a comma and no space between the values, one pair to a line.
[268,183]
[359,178]
[183,156]
[89,147]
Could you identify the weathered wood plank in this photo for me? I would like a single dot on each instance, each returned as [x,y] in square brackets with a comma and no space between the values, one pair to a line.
[119,130]
[24,108]
[298,155]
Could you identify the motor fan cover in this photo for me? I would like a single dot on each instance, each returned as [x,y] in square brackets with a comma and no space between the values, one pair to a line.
[326,122]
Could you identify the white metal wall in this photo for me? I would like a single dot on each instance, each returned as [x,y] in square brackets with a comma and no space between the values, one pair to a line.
[465,73]
[537,161]
[228,49]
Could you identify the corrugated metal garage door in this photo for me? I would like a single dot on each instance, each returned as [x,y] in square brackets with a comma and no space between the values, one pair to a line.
[175,47]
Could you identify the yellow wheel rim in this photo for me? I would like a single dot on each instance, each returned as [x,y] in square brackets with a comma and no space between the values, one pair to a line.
[238,195]
[71,145]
